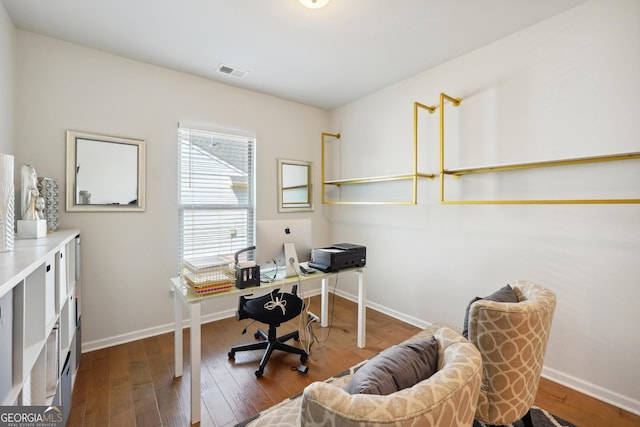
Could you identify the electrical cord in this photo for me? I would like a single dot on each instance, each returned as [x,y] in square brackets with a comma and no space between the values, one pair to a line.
[275,273]
[331,316]
[304,327]
[307,327]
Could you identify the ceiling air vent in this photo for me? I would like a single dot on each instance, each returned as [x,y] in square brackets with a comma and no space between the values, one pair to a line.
[232,71]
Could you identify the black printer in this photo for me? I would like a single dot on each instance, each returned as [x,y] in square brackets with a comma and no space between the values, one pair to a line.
[339,256]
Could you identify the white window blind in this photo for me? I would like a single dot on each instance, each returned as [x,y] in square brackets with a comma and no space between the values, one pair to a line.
[217,193]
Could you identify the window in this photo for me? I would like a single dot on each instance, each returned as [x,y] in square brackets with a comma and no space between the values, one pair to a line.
[217,193]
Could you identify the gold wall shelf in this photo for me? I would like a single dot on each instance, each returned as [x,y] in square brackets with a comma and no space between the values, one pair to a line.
[414,176]
[459,172]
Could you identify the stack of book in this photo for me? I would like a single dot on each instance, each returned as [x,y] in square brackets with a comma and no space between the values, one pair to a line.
[208,275]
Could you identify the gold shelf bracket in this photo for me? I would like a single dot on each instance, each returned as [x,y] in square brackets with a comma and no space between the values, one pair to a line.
[414,176]
[455,102]
[326,135]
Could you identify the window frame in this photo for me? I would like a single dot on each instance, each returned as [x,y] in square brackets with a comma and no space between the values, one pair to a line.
[192,213]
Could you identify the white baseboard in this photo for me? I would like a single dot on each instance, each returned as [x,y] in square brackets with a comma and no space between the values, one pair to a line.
[597,392]
[163,329]
[150,332]
[419,323]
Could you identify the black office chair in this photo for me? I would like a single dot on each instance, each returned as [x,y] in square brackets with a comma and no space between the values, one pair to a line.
[272,309]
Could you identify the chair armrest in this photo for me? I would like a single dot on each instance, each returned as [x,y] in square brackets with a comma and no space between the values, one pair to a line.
[447,398]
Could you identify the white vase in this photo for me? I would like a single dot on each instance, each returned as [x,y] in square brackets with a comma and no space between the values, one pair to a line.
[7,201]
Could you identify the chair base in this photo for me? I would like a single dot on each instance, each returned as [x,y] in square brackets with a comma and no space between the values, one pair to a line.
[271,342]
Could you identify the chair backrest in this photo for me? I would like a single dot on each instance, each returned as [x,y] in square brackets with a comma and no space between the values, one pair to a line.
[273,308]
[512,339]
[446,399]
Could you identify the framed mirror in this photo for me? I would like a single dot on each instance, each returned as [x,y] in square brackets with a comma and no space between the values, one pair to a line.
[105,173]
[295,186]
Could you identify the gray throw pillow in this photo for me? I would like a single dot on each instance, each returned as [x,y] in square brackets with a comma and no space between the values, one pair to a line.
[396,368]
[504,294]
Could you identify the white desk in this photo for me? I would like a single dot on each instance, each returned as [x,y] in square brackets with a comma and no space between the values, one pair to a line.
[185,297]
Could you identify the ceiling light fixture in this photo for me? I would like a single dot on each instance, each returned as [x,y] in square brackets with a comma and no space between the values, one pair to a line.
[314,4]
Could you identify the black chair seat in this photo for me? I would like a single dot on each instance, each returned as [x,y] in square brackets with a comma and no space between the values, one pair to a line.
[272,309]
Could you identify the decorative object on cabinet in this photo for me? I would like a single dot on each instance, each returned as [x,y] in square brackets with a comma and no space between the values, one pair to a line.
[7,200]
[459,172]
[295,186]
[50,191]
[105,173]
[401,177]
[31,226]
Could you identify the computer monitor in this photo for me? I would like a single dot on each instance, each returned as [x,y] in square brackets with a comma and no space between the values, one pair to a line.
[271,237]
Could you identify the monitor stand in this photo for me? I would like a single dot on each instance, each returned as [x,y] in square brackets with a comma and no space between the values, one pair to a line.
[291,260]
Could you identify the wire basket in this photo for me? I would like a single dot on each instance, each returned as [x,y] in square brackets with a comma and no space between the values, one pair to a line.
[210,274]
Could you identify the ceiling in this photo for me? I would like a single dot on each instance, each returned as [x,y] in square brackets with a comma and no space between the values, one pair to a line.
[321,57]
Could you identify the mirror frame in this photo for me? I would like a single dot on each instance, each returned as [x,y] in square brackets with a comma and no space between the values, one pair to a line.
[281,205]
[72,137]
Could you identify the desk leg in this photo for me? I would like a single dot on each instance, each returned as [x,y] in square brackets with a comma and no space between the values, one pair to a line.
[362,310]
[177,336]
[195,362]
[324,300]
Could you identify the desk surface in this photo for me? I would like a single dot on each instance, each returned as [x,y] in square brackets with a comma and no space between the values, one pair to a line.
[191,297]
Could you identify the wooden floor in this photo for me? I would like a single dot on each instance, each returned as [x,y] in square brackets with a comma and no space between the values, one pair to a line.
[133,384]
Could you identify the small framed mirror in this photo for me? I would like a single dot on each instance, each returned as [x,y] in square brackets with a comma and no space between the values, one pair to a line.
[105,173]
[295,186]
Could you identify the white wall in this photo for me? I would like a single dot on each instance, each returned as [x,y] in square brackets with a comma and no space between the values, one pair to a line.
[567,87]
[7,81]
[128,258]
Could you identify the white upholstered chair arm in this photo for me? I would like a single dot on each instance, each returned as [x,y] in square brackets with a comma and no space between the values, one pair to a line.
[447,398]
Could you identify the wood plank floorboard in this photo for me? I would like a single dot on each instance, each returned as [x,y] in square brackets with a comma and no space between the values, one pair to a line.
[133,384]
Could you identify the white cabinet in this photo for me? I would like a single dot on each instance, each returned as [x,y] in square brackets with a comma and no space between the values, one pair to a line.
[39,288]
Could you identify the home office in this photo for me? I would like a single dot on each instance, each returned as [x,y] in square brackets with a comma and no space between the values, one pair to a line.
[531,95]
[277,267]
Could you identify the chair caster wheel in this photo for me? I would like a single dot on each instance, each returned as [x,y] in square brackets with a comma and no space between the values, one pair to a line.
[231,355]
[257,336]
[303,359]
[259,373]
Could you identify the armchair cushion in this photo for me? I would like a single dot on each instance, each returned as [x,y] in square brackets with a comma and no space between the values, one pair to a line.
[396,368]
[446,399]
[504,294]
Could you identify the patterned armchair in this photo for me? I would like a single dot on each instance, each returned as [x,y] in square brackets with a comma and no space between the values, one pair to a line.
[447,398]
[512,339]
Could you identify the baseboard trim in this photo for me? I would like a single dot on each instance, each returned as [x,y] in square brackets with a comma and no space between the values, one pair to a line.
[163,329]
[419,323]
[597,392]
[150,332]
